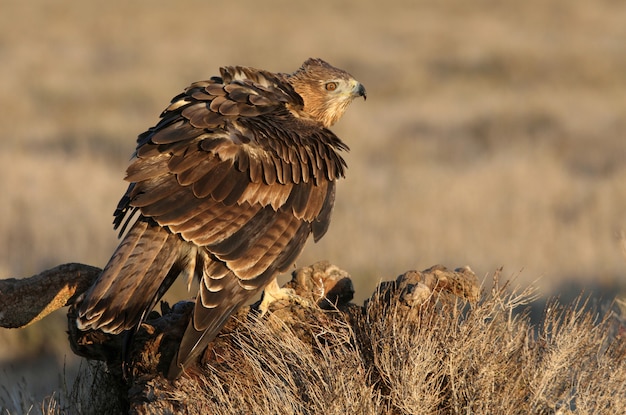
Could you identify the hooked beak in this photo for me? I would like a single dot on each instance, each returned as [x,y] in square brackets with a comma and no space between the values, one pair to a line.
[360,91]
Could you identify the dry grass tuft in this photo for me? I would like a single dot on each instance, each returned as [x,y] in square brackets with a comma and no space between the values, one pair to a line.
[278,372]
[446,356]
[92,391]
[488,358]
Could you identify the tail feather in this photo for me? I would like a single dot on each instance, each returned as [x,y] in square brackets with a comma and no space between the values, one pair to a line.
[206,322]
[195,341]
[142,268]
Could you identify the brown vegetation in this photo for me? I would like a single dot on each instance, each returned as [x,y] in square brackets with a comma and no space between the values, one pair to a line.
[426,343]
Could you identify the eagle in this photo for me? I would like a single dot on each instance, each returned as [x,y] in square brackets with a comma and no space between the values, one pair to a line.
[226,188]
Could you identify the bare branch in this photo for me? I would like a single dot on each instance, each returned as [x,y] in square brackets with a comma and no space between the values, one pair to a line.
[24,301]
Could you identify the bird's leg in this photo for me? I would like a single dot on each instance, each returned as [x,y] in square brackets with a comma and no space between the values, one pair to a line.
[273,293]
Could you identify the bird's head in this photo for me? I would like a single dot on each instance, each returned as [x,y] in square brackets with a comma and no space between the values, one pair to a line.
[326,91]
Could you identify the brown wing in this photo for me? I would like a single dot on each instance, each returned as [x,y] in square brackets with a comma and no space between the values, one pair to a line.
[234,174]
[222,172]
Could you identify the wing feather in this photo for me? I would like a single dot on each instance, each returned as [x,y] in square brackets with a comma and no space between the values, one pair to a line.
[215,103]
[168,203]
[229,191]
[211,226]
[263,253]
[215,89]
[174,132]
[256,168]
[243,159]
[269,170]
[147,192]
[196,171]
[127,289]
[320,225]
[147,168]
[236,244]
[212,178]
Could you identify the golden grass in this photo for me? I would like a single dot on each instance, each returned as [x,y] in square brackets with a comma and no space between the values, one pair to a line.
[493,133]
[389,358]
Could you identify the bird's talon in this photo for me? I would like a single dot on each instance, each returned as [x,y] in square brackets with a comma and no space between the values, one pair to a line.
[273,293]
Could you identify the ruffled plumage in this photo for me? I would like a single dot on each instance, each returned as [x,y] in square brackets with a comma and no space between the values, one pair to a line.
[228,186]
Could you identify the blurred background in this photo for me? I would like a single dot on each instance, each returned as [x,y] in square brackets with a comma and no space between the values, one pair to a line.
[494,135]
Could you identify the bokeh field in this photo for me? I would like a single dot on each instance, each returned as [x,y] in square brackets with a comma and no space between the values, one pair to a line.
[494,134]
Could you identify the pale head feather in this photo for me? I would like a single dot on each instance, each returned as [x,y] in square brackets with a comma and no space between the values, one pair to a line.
[326,91]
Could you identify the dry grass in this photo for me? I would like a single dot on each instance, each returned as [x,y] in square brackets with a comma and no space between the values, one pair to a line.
[493,133]
[445,358]
[288,376]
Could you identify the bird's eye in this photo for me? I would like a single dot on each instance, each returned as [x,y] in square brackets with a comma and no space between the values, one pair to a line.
[331,86]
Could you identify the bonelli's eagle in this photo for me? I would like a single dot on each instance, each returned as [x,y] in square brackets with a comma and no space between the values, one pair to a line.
[226,188]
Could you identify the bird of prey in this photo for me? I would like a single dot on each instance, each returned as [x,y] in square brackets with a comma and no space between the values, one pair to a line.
[226,188]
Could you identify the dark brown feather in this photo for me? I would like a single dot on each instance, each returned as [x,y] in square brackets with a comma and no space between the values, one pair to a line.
[236,244]
[195,172]
[269,170]
[246,110]
[238,93]
[202,96]
[215,104]
[206,184]
[260,100]
[230,190]
[144,169]
[321,222]
[243,159]
[121,296]
[215,223]
[151,191]
[215,89]
[256,168]
[228,107]
[213,143]
[189,159]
